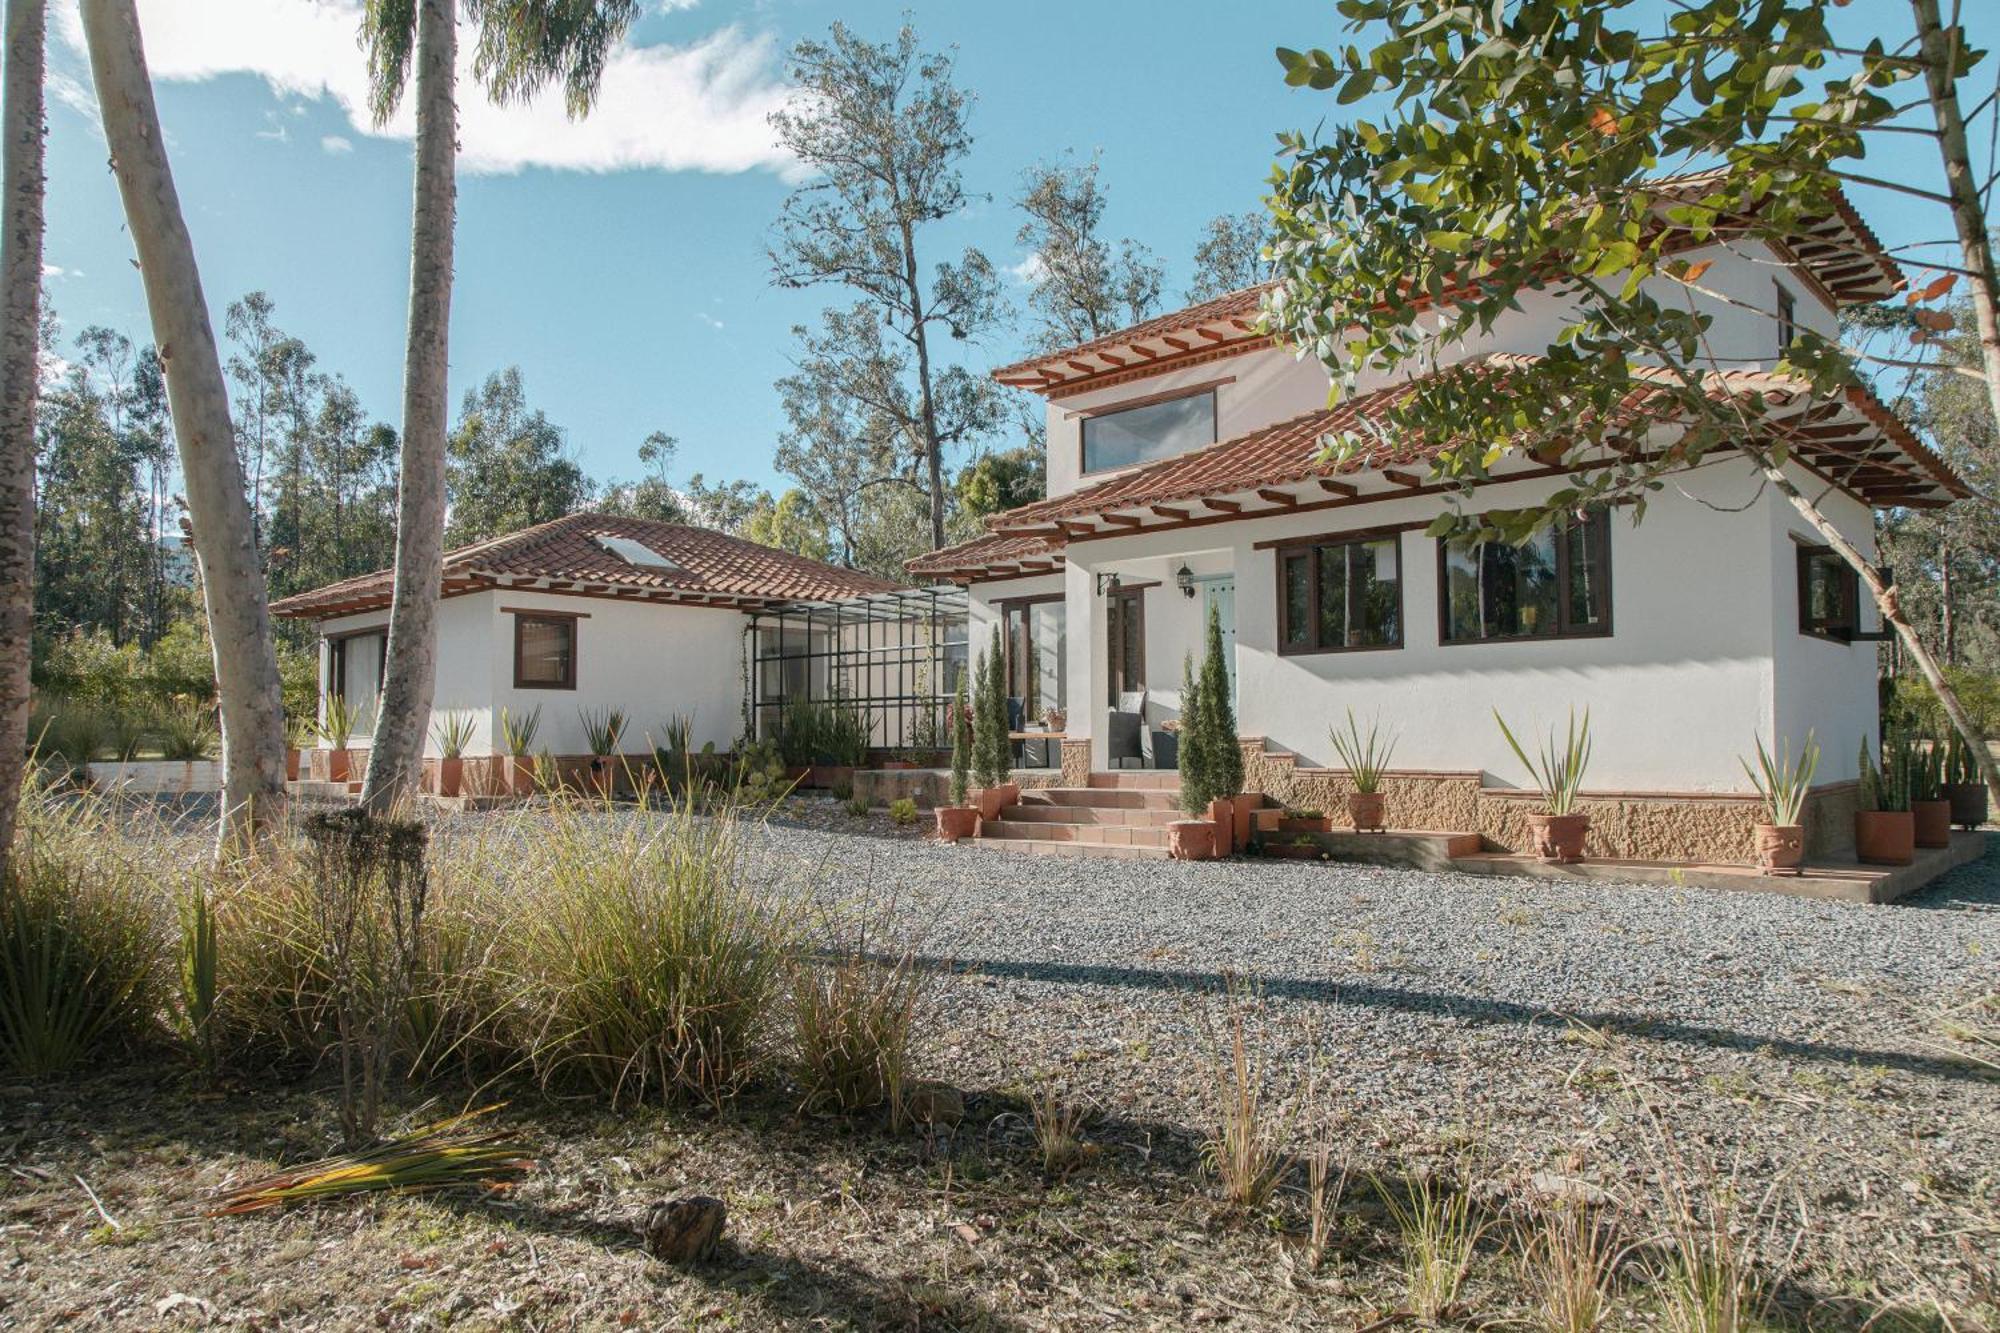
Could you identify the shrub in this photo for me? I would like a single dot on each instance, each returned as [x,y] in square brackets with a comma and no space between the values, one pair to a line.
[1196,773]
[903,811]
[823,731]
[991,751]
[858,806]
[1912,706]
[852,1018]
[80,949]
[649,959]
[961,744]
[1221,752]
[187,730]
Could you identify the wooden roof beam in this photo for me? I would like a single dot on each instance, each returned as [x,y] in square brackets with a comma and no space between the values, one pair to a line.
[1224,506]
[1285,498]
[1167,512]
[1123,520]
[1409,479]
[1343,489]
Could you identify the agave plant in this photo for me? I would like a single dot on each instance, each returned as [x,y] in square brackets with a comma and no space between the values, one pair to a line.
[453,732]
[339,720]
[517,730]
[1366,756]
[1781,783]
[187,731]
[1558,769]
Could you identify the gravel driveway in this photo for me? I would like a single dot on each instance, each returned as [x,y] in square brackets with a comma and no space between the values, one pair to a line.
[1785,1040]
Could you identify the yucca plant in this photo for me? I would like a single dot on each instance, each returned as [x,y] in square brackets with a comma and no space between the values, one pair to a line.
[187,731]
[603,728]
[517,730]
[453,732]
[1782,784]
[1366,757]
[199,972]
[1558,769]
[127,731]
[339,720]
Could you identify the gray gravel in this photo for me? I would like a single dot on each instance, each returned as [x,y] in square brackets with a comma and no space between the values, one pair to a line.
[1787,1040]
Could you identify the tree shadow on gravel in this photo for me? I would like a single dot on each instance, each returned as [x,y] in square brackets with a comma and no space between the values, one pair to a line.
[1464,1008]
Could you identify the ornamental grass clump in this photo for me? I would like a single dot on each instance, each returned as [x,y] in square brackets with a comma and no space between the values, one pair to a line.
[649,958]
[854,1008]
[82,957]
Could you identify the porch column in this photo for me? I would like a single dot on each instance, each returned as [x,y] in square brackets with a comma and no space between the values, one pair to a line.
[1085,686]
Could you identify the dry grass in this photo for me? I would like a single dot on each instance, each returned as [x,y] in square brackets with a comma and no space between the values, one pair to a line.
[853,1014]
[1246,1149]
[1569,1256]
[1440,1229]
[1058,1124]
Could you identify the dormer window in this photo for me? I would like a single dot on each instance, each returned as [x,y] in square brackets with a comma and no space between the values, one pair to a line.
[1788,321]
[634,552]
[1145,429]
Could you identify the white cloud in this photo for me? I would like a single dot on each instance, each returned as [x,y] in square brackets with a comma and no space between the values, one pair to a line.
[335,143]
[709,320]
[698,107]
[53,270]
[1029,271]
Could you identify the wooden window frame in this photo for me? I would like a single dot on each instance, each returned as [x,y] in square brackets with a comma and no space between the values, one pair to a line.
[1850,586]
[1088,415]
[336,666]
[1135,596]
[1007,606]
[1564,630]
[1788,317]
[1310,548]
[566,618]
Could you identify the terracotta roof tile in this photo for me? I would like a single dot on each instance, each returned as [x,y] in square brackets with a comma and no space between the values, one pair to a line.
[991,553]
[705,563]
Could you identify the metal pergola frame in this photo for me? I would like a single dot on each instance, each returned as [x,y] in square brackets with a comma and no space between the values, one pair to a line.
[894,655]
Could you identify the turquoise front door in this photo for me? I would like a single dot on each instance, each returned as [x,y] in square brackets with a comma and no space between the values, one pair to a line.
[1218,594]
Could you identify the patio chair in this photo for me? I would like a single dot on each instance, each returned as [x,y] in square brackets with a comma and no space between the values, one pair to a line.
[1125,736]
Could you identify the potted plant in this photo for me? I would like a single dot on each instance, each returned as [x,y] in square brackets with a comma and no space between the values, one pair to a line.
[959,820]
[1223,751]
[187,735]
[844,733]
[337,724]
[1930,810]
[992,751]
[1193,838]
[1782,785]
[298,735]
[1558,831]
[1885,832]
[1962,785]
[602,730]
[453,732]
[1367,761]
[517,734]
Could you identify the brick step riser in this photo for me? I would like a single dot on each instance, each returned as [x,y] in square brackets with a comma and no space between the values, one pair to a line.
[1148,780]
[1103,798]
[1109,851]
[1089,814]
[1004,831]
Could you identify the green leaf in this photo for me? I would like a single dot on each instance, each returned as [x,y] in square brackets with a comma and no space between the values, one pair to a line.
[1451,242]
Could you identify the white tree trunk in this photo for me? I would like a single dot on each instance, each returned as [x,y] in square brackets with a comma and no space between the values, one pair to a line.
[239,620]
[404,710]
[21,185]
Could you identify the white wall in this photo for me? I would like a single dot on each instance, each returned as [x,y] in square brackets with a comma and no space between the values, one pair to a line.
[1827,688]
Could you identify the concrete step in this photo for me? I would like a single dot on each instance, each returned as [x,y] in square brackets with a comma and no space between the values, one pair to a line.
[1145,779]
[1042,812]
[1116,835]
[1057,847]
[1104,798]
[1422,850]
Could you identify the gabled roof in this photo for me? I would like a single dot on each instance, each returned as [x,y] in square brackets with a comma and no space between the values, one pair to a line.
[1853,441]
[703,568]
[1839,252]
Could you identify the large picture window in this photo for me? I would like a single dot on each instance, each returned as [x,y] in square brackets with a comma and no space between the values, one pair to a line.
[544,652]
[1556,586]
[1829,595]
[1149,431]
[1341,594]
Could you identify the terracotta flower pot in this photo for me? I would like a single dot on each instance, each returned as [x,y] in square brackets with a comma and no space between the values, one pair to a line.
[337,765]
[1222,813]
[291,763]
[1781,848]
[1246,803]
[603,776]
[520,770]
[1191,839]
[1968,803]
[956,822]
[1558,839]
[992,800]
[451,776]
[1885,837]
[1366,811]
[897,763]
[1933,822]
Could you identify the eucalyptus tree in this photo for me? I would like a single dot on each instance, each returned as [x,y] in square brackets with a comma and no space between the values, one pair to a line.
[522,46]
[1230,255]
[1080,286]
[1515,156]
[23,122]
[508,465]
[881,130]
[652,496]
[246,664]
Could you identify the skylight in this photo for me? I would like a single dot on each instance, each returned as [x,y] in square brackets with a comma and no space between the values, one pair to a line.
[634,552]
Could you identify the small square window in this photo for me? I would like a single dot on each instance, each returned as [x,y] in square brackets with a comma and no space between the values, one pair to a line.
[544,652]
[1829,595]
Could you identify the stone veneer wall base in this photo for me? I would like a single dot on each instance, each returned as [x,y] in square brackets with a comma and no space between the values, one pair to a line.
[1639,826]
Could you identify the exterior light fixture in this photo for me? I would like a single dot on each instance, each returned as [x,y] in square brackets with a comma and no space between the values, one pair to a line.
[1107,583]
[1184,580]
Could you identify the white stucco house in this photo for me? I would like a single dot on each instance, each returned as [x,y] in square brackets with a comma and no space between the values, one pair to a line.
[587,612]
[1185,472]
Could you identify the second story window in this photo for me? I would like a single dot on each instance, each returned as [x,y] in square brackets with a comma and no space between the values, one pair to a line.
[1149,430]
[1788,320]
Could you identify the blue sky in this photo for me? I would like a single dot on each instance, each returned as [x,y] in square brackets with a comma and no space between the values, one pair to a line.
[628,279]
